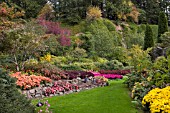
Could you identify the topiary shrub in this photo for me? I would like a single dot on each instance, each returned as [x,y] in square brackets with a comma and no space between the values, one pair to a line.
[148,40]
[12,101]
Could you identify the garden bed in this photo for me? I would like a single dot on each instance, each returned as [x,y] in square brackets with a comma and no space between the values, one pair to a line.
[62,87]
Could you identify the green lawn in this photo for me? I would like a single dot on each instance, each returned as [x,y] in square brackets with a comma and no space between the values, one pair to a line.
[110,99]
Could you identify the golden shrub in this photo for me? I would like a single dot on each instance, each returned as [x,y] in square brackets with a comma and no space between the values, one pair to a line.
[94,13]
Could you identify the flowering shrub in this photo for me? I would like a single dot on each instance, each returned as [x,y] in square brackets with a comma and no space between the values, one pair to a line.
[46,57]
[112,76]
[26,82]
[121,72]
[109,76]
[45,106]
[158,100]
[101,78]
[60,87]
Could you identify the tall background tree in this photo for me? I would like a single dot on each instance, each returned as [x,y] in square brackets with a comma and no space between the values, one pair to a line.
[152,8]
[31,7]
[73,11]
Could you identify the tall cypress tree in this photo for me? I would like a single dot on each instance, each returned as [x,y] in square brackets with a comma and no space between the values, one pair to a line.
[162,25]
[148,40]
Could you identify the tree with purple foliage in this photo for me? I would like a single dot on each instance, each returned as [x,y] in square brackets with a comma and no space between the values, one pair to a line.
[55,28]
[64,37]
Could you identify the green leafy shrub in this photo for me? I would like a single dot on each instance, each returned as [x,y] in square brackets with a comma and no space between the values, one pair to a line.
[57,60]
[70,67]
[12,101]
[161,64]
[155,32]
[52,45]
[100,60]
[102,39]
[141,28]
[85,60]
[161,67]
[72,19]
[110,65]
[31,64]
[85,66]
[120,54]
[165,39]
[109,24]
[78,53]
[5,62]
[142,16]
[78,28]
[87,42]
[139,59]
[132,36]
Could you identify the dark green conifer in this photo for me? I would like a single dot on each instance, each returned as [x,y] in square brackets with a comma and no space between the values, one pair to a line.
[148,40]
[11,100]
[162,25]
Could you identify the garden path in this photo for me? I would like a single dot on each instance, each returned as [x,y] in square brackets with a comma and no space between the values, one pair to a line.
[110,99]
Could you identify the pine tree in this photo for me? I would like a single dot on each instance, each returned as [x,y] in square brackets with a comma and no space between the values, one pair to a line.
[148,40]
[162,25]
[11,100]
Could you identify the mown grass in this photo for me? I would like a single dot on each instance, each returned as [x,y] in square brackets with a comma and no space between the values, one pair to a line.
[110,99]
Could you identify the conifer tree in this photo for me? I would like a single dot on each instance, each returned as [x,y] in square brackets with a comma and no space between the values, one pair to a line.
[148,40]
[162,25]
[11,100]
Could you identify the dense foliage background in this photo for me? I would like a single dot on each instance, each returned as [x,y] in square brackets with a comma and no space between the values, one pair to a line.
[51,38]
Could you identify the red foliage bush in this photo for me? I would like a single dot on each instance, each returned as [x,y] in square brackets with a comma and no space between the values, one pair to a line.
[74,74]
[47,70]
